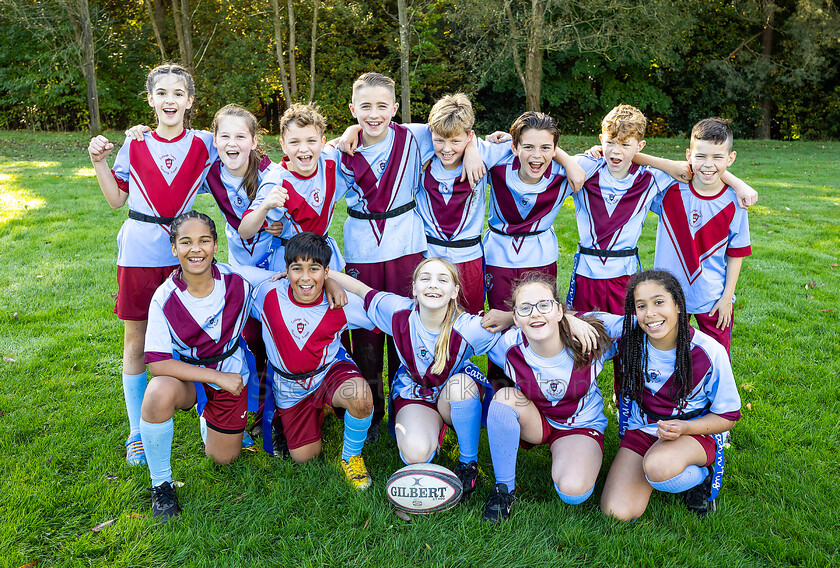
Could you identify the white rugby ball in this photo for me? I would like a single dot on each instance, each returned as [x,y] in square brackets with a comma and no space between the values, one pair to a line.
[424,488]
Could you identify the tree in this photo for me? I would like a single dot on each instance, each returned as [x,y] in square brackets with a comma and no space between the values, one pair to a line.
[405,57]
[183,28]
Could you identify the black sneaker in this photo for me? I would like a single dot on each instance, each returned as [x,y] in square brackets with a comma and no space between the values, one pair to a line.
[498,504]
[372,434]
[697,499]
[468,474]
[164,501]
[279,445]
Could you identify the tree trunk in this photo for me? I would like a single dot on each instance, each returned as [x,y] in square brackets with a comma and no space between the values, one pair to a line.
[281,61]
[534,57]
[405,58]
[186,21]
[763,130]
[89,66]
[156,28]
[179,30]
[312,43]
[292,46]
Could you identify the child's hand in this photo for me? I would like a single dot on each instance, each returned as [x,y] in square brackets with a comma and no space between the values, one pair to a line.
[723,307]
[278,276]
[747,197]
[670,429]
[684,172]
[595,152]
[349,141]
[498,137]
[275,229]
[336,295]
[497,320]
[583,332]
[99,148]
[473,168]
[231,382]
[136,132]
[276,198]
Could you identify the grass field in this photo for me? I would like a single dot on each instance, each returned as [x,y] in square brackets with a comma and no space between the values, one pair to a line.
[63,424]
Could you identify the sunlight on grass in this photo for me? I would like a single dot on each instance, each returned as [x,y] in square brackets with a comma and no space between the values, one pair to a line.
[85,172]
[14,202]
[28,164]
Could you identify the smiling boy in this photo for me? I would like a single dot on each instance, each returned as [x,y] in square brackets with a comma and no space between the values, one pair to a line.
[311,370]
[303,190]
[703,234]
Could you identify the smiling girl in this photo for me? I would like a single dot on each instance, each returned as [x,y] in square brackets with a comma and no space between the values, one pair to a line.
[680,389]
[193,349]
[159,178]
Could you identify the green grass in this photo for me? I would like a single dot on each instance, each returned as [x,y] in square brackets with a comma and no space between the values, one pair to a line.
[62,419]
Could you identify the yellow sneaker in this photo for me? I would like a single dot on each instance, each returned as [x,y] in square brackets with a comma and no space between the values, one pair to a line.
[356,472]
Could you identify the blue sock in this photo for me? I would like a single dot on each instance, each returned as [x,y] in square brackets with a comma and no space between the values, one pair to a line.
[466,419]
[574,499]
[134,387]
[405,461]
[157,442]
[691,476]
[503,434]
[355,432]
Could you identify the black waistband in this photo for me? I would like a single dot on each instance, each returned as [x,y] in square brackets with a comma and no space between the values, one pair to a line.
[212,359]
[463,243]
[522,234]
[686,416]
[385,214]
[608,253]
[149,218]
[299,376]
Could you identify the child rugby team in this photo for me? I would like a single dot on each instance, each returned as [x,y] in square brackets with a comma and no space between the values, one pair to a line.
[269,331]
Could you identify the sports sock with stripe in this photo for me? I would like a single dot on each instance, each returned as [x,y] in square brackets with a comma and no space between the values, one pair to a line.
[157,442]
[466,419]
[691,476]
[503,432]
[355,432]
[134,387]
[573,499]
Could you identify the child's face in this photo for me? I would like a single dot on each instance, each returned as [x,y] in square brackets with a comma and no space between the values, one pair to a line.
[708,161]
[537,326]
[373,107]
[535,152]
[307,278]
[434,286]
[450,149]
[195,247]
[303,146]
[170,99]
[234,142]
[619,154]
[657,314]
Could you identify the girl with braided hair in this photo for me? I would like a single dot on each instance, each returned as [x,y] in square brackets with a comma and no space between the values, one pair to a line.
[678,390]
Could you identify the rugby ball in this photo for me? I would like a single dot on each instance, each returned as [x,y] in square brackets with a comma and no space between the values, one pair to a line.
[424,488]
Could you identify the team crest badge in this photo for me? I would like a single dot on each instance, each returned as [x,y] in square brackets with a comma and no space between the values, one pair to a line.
[354,272]
[167,163]
[381,165]
[211,322]
[300,328]
[654,374]
[316,197]
[423,354]
[695,219]
[239,201]
[488,281]
[611,198]
[523,201]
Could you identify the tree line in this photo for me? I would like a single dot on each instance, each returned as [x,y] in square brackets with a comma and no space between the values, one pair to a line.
[769,65]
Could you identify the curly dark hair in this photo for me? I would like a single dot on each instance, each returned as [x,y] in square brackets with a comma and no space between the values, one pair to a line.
[175,227]
[631,363]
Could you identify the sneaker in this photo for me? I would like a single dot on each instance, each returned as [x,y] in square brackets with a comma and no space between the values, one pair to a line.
[697,498]
[372,434]
[164,501]
[134,453]
[279,445]
[468,474]
[727,438]
[498,504]
[356,472]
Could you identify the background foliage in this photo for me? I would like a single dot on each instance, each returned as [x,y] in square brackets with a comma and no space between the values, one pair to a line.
[677,60]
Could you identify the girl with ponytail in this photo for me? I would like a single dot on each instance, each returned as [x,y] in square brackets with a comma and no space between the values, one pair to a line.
[435,339]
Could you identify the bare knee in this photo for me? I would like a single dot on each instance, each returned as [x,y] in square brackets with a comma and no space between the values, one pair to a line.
[221,457]
[573,486]
[621,511]
[417,451]
[159,399]
[508,396]
[658,466]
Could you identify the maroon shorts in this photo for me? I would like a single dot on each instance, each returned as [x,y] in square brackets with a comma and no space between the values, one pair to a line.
[594,295]
[471,274]
[706,324]
[387,276]
[499,282]
[136,286]
[225,412]
[640,442]
[399,403]
[302,422]
[550,434]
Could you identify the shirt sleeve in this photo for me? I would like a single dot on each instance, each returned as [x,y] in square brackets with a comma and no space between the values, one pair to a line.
[739,234]
[381,307]
[121,167]
[158,342]
[271,179]
[480,339]
[589,164]
[661,180]
[493,154]
[423,135]
[498,353]
[720,387]
[357,316]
